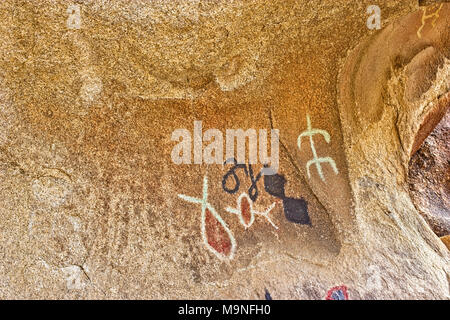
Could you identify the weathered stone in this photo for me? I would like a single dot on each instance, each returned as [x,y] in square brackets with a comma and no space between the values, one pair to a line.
[429,178]
[92,206]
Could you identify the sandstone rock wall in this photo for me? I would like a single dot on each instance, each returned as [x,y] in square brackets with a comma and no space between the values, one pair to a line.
[92,206]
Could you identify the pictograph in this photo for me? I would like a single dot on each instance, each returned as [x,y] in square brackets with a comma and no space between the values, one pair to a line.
[216,235]
[246,212]
[310,132]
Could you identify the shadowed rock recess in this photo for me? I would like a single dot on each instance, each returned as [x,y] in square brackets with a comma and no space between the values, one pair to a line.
[93,207]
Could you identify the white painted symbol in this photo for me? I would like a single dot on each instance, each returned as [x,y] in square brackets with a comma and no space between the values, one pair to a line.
[74,20]
[310,132]
[243,200]
[374,280]
[53,191]
[206,206]
[74,278]
[374,21]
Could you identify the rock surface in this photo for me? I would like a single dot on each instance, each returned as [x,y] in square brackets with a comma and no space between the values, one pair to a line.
[92,206]
[446,241]
[429,178]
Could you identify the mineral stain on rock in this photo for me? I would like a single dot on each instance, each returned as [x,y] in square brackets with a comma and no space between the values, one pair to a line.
[218,237]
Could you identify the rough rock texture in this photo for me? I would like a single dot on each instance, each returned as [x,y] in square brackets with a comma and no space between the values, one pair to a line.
[89,196]
[429,178]
[446,241]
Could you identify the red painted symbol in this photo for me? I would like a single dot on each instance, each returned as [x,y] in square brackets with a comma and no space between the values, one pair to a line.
[247,214]
[337,293]
[216,235]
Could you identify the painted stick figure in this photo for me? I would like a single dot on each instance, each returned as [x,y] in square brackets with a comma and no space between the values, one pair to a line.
[425,17]
[216,235]
[246,212]
[310,132]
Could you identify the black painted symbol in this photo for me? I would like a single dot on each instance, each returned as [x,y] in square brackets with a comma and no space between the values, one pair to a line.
[274,185]
[295,210]
[267,295]
[231,174]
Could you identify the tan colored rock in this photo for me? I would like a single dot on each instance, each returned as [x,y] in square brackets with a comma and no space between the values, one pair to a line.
[90,200]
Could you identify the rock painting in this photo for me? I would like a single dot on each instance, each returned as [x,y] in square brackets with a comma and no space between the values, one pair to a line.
[337,293]
[426,16]
[75,277]
[253,190]
[310,132]
[267,295]
[216,235]
[295,210]
[246,212]
[373,282]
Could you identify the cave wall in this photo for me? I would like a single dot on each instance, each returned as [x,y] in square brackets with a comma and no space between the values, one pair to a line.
[92,205]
